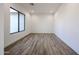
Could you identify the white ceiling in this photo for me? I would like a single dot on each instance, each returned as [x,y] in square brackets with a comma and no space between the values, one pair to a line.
[42,7]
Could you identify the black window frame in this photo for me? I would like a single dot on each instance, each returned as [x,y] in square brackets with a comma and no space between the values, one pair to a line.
[19,21]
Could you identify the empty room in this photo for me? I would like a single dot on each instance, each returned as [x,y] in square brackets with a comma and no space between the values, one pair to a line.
[39,28]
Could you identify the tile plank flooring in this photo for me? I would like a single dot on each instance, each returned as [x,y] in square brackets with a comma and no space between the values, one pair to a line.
[40,44]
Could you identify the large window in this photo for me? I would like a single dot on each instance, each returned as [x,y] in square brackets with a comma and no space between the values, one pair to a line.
[17,21]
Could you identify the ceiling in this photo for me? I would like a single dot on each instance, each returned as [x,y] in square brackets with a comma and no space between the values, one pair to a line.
[42,7]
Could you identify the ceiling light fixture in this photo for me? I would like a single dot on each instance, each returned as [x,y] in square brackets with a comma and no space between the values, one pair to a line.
[32,4]
[51,11]
[32,11]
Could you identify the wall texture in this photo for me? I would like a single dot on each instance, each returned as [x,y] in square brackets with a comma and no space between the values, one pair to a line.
[66,25]
[1,29]
[42,23]
[11,38]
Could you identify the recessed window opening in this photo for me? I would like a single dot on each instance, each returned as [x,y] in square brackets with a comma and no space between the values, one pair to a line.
[17,21]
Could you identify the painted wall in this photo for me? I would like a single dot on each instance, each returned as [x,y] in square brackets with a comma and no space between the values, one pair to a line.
[66,25]
[42,23]
[11,38]
[1,29]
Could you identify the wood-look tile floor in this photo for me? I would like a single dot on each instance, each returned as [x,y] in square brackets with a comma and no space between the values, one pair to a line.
[41,44]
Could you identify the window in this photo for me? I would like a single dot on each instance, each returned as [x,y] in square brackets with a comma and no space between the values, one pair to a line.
[13,21]
[21,22]
[17,21]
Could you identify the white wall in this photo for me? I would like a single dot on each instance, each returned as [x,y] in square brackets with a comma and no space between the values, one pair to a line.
[67,25]
[42,23]
[1,29]
[11,38]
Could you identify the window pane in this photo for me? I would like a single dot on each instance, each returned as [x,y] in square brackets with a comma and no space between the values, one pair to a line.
[13,21]
[21,22]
